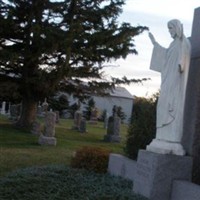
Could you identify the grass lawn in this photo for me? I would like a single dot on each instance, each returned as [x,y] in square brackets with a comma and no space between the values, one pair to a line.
[20,149]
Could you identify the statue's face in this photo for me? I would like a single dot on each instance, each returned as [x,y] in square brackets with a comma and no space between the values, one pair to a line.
[172,31]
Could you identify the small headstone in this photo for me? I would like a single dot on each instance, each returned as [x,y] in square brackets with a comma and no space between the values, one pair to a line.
[77,120]
[94,116]
[3,108]
[45,106]
[47,138]
[39,109]
[36,128]
[57,116]
[105,124]
[15,111]
[9,108]
[82,127]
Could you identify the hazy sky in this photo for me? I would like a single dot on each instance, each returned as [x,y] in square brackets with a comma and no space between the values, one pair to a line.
[154,14]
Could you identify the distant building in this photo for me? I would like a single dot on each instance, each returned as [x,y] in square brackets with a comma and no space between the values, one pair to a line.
[119,97]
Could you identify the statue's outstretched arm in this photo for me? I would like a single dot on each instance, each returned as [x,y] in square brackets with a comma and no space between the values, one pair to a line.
[152,38]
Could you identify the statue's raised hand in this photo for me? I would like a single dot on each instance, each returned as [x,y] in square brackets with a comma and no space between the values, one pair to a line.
[152,38]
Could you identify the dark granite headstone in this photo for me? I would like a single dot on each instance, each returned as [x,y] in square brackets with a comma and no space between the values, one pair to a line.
[113,130]
[191,134]
[82,127]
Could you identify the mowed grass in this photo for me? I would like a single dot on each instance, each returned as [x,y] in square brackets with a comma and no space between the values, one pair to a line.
[20,149]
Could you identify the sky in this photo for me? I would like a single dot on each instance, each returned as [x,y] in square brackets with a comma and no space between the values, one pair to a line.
[154,14]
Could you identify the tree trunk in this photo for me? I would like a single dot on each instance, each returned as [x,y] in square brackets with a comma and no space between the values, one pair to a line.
[28,114]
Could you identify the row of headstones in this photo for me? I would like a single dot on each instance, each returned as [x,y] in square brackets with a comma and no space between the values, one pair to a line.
[111,124]
[15,110]
[47,137]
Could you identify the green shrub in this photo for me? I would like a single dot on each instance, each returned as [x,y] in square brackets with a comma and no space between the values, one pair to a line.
[62,183]
[142,127]
[91,158]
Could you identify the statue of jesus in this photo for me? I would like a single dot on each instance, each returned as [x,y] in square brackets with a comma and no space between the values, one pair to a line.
[173,64]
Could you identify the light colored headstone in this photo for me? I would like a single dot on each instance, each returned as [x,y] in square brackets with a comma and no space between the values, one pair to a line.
[77,119]
[173,64]
[94,116]
[3,108]
[49,127]
[45,106]
[39,109]
[47,138]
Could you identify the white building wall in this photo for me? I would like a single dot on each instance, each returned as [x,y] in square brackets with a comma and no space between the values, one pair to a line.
[107,103]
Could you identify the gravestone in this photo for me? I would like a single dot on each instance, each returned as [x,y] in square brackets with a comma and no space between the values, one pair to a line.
[39,109]
[77,119]
[105,124]
[113,129]
[48,137]
[36,128]
[94,116]
[3,108]
[191,134]
[57,116]
[9,108]
[15,111]
[45,106]
[82,128]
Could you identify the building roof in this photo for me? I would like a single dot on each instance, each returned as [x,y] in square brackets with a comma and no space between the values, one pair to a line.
[121,92]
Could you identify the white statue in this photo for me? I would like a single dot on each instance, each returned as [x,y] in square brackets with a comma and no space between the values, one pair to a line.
[173,64]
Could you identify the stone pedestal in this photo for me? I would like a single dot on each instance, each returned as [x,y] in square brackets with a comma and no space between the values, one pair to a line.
[156,172]
[43,140]
[112,138]
[165,147]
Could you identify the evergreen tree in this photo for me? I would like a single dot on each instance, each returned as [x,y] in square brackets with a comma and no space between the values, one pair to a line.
[142,127]
[58,103]
[121,114]
[51,45]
